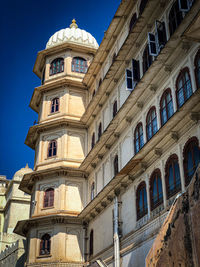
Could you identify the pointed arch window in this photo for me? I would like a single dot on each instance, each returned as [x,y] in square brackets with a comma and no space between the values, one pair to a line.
[115,165]
[55,105]
[79,64]
[172,176]
[175,17]
[138,138]
[91,250]
[197,69]
[151,126]
[114,108]
[183,87]
[147,59]
[48,198]
[45,244]
[52,149]
[142,6]
[191,158]
[166,106]
[57,66]
[156,193]
[99,130]
[93,140]
[141,200]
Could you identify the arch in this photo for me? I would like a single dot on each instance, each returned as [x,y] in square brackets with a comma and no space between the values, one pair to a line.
[57,66]
[45,244]
[93,140]
[175,17]
[166,106]
[99,130]
[197,69]
[79,65]
[156,193]
[116,165]
[52,148]
[191,158]
[183,87]
[91,248]
[48,198]
[55,103]
[151,123]
[141,200]
[114,108]
[132,21]
[172,176]
[142,6]
[146,59]
[138,138]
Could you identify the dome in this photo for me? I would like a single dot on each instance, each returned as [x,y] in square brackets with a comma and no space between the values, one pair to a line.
[19,174]
[72,35]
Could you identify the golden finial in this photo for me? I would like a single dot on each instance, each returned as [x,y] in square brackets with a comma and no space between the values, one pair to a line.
[74,25]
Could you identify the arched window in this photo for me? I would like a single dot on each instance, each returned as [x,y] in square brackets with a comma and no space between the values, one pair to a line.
[141,200]
[114,108]
[156,193]
[91,250]
[191,154]
[57,66]
[115,165]
[151,126]
[79,65]
[147,59]
[197,69]
[132,21]
[92,190]
[183,87]
[142,6]
[55,105]
[175,17]
[52,149]
[48,198]
[172,176]
[93,140]
[138,138]
[166,106]
[45,244]
[99,131]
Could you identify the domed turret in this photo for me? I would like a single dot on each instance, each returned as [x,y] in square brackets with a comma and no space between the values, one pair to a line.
[20,173]
[72,35]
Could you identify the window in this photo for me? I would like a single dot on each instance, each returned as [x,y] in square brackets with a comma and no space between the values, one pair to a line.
[141,200]
[43,77]
[100,82]
[99,131]
[172,176]
[93,140]
[175,17]
[55,105]
[166,106]
[197,69]
[183,87]
[57,66]
[129,82]
[156,194]
[135,72]
[132,21]
[142,6]
[52,149]
[92,190]
[79,65]
[45,244]
[114,108]
[116,167]
[151,126]
[147,59]
[138,138]
[191,154]
[91,250]
[48,198]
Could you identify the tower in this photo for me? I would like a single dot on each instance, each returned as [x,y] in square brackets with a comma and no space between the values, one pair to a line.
[56,185]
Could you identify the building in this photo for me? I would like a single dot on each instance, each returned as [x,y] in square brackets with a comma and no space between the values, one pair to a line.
[117,136]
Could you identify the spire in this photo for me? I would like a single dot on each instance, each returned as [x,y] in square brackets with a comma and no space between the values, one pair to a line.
[74,25]
[27,167]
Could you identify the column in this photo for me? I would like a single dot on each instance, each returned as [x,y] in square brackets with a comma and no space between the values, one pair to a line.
[148,195]
[158,113]
[162,169]
[180,161]
[144,128]
[173,91]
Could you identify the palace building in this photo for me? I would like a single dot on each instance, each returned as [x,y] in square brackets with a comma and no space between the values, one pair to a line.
[117,138]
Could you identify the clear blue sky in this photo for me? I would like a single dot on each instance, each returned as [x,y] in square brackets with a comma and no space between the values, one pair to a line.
[25,28]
